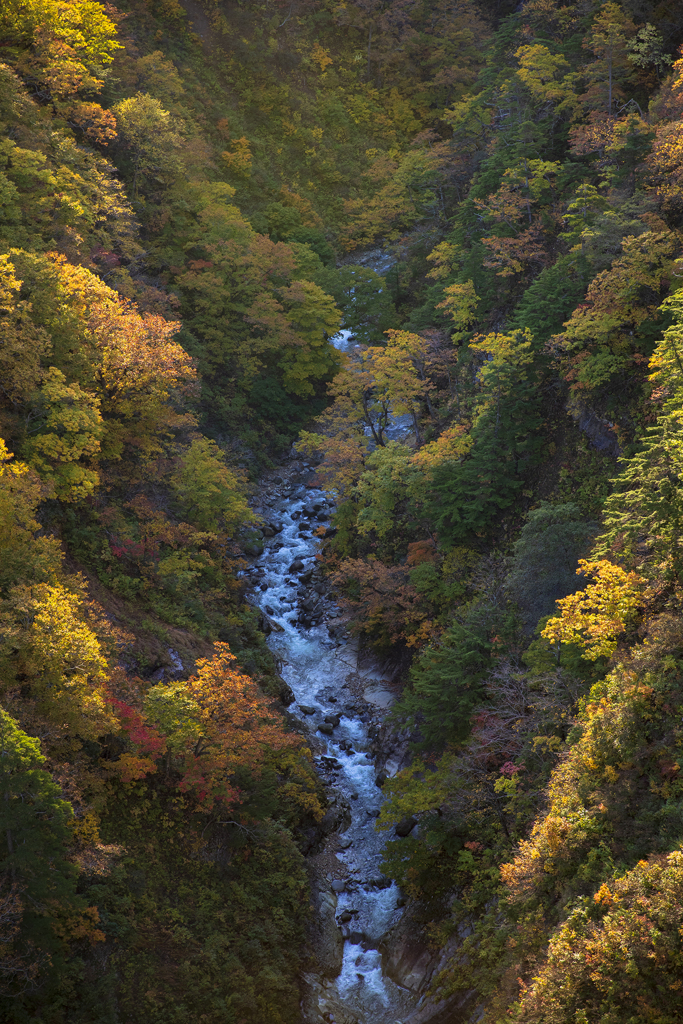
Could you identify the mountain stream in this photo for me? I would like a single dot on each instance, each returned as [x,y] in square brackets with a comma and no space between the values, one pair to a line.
[338,702]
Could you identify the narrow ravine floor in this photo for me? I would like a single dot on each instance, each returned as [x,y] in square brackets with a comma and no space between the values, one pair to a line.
[318,667]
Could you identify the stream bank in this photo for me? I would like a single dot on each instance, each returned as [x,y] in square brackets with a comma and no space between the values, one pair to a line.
[368,961]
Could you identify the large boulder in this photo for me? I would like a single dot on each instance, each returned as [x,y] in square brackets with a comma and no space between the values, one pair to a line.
[285,692]
[254,549]
[337,817]
[405,827]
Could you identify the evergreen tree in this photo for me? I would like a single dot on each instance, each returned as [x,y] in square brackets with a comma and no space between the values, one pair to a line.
[647,503]
[544,563]
[33,838]
[468,496]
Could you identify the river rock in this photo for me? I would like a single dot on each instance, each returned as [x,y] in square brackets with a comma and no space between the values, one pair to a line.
[296,566]
[253,549]
[405,827]
[345,842]
[337,817]
[326,728]
[268,626]
[380,779]
[345,916]
[338,885]
[332,720]
[306,709]
[267,531]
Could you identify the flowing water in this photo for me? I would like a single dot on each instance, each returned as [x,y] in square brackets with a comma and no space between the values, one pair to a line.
[318,667]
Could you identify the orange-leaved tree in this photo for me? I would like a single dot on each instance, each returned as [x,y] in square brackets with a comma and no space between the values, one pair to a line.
[221,731]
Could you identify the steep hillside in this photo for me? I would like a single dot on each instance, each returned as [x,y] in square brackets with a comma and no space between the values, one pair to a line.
[193,199]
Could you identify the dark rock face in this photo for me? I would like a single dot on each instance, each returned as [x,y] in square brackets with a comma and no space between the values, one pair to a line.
[286,693]
[405,827]
[324,938]
[600,431]
[338,815]
[408,960]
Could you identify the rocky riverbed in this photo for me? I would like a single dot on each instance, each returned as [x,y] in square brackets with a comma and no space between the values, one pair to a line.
[368,960]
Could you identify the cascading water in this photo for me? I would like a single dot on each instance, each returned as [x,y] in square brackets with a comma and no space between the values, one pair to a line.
[316,666]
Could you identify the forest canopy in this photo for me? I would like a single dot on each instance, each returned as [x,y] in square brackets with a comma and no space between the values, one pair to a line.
[195,199]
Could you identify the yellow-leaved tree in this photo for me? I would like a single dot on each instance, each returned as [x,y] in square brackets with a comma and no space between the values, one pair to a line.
[211,494]
[593,618]
[66,443]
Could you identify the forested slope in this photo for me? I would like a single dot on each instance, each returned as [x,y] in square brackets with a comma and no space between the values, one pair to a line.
[186,198]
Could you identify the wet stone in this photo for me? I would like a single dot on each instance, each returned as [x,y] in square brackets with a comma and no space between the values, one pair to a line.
[306,709]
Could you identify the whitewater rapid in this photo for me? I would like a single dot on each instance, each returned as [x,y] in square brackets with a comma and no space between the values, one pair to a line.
[318,667]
